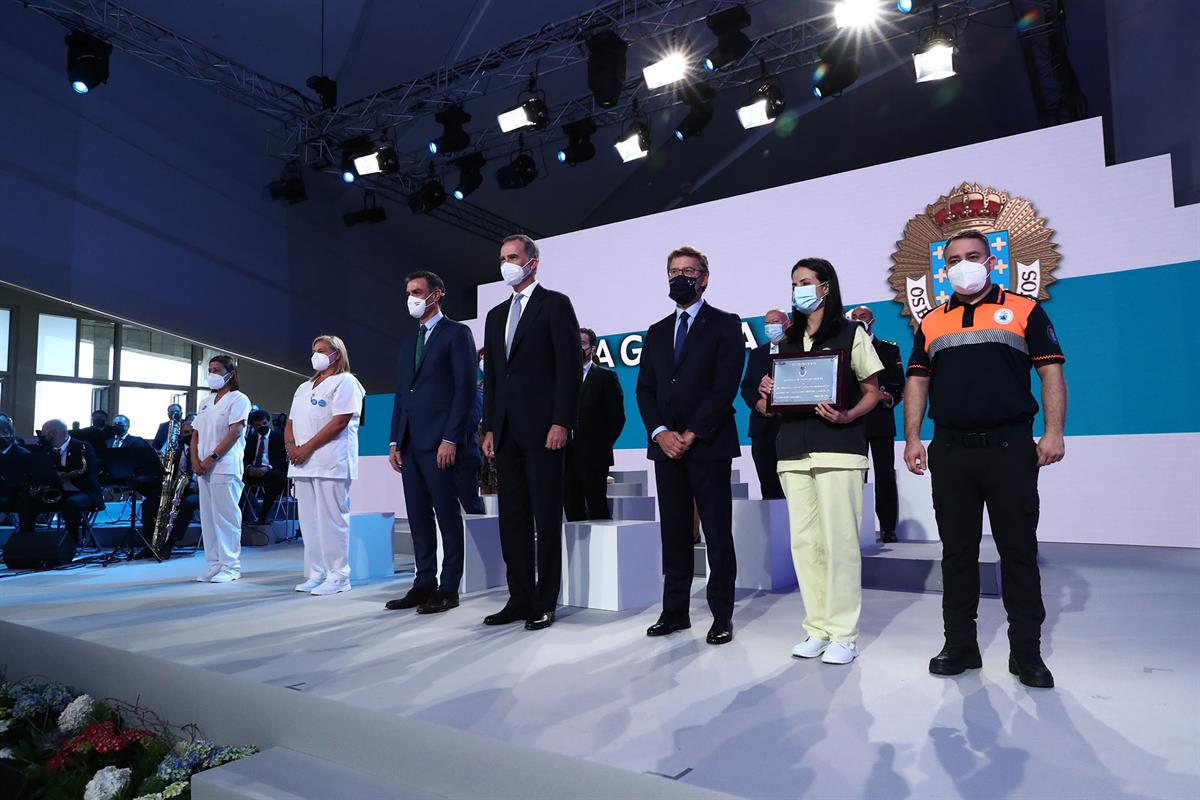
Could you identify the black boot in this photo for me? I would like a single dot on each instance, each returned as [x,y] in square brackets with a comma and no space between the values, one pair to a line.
[956,659]
[1031,670]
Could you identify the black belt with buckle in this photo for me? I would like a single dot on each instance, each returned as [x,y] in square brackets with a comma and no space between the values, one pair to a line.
[992,437]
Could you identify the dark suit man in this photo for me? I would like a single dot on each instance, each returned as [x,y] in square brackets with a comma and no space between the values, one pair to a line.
[691,365]
[266,462]
[764,427]
[530,403]
[590,450]
[881,426]
[16,475]
[75,461]
[160,437]
[431,429]
[96,434]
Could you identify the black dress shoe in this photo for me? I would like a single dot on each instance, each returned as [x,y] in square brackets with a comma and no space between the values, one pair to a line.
[665,626]
[413,599]
[888,537]
[721,632]
[505,616]
[543,620]
[1031,670]
[439,602]
[955,660]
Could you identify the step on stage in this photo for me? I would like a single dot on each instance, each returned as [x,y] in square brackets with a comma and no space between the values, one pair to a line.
[442,706]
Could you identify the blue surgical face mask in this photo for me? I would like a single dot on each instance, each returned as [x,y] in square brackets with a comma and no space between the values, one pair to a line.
[805,300]
[774,331]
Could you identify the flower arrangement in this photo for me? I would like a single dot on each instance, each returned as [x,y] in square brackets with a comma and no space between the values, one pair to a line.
[56,744]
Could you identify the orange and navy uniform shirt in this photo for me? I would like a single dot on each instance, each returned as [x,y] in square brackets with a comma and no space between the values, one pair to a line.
[978,359]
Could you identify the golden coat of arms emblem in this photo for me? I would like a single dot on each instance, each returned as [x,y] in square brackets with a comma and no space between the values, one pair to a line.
[1025,255]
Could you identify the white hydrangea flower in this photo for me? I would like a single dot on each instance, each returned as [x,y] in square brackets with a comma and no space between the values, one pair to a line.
[107,783]
[4,725]
[76,716]
[6,753]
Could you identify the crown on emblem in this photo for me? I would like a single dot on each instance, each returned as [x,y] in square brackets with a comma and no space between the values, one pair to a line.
[968,207]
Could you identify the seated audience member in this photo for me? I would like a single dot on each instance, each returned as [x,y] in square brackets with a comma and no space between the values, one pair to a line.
[266,464]
[97,433]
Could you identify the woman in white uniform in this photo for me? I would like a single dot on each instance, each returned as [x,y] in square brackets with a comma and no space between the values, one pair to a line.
[218,443]
[322,445]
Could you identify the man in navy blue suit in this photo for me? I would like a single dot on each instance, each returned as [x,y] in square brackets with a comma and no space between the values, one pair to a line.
[432,428]
[690,370]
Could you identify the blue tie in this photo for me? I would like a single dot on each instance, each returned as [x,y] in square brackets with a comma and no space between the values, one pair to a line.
[680,334]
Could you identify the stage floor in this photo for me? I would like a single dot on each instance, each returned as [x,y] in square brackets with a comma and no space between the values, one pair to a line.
[745,718]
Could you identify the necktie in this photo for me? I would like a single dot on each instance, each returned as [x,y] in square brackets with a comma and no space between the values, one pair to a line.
[262,445]
[514,316]
[118,444]
[421,344]
[680,334]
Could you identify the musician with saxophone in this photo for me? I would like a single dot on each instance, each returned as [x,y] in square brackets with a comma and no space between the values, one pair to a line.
[76,464]
[179,493]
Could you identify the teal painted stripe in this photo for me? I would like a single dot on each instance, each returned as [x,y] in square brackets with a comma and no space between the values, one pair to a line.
[1128,336]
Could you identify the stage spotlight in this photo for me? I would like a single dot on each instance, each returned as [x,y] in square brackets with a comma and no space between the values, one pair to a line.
[856,13]
[606,67]
[371,214]
[87,61]
[837,69]
[635,143]
[470,175]
[698,98]
[382,160]
[665,71]
[935,60]
[290,185]
[431,195]
[352,151]
[453,138]
[909,6]
[732,44]
[530,115]
[766,103]
[579,147]
[326,89]
[518,173]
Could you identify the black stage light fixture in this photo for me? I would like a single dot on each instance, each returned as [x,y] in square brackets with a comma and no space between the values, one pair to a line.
[764,106]
[453,138]
[579,147]
[837,69]
[326,89]
[370,213]
[530,115]
[635,142]
[87,61]
[290,185]
[732,44]
[383,161]
[470,175]
[518,173]
[606,67]
[698,98]
[431,195]
[353,149]
[909,6]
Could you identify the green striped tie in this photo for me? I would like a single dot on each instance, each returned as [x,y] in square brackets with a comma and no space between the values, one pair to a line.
[421,345]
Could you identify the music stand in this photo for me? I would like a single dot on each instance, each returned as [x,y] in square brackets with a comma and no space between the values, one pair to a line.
[123,465]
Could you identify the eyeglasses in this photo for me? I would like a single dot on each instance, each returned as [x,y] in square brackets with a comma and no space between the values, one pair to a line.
[689,272]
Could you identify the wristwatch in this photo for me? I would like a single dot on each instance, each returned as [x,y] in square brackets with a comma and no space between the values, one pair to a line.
[214,456]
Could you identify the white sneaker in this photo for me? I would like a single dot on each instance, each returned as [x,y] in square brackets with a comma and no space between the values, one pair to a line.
[810,647]
[840,653]
[332,586]
[225,576]
[309,584]
[209,573]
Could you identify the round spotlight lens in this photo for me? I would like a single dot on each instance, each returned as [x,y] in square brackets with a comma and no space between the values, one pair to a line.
[679,135]
[458,194]
[817,92]
[904,6]
[80,87]
[433,148]
[562,156]
[347,176]
[709,65]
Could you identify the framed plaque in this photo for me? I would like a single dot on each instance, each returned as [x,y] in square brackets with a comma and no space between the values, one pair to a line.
[805,380]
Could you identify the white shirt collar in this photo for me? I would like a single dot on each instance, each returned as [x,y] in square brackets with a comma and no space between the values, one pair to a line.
[587,366]
[692,310]
[774,348]
[434,320]
[527,292]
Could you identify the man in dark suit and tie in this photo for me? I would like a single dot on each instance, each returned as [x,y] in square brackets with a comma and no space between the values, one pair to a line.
[265,463]
[160,437]
[764,427]
[97,433]
[75,461]
[691,366]
[881,426]
[530,402]
[431,430]
[16,475]
[590,450]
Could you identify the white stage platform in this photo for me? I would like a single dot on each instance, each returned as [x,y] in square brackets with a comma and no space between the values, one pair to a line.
[745,719]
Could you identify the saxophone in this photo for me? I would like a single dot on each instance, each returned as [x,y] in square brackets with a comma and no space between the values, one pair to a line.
[175,481]
[51,495]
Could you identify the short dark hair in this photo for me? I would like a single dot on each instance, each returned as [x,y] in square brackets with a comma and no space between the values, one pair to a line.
[972,233]
[591,334]
[100,411]
[690,252]
[231,368]
[432,280]
[527,244]
[257,415]
[831,321]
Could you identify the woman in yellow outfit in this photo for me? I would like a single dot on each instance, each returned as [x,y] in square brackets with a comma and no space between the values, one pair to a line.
[822,461]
